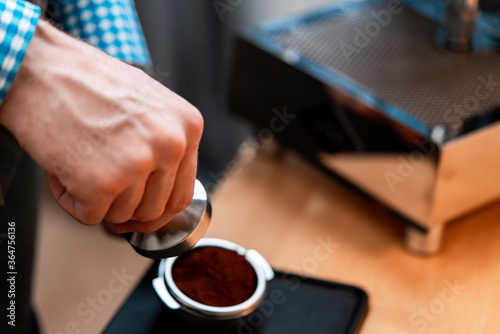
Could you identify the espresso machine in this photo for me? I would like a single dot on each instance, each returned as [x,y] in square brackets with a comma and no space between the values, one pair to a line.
[398,98]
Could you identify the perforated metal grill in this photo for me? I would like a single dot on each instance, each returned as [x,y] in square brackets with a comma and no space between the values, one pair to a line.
[398,62]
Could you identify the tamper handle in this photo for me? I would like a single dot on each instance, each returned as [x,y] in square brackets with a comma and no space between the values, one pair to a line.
[180,234]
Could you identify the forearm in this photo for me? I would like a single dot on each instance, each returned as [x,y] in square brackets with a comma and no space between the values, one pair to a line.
[43,49]
[54,62]
[113,26]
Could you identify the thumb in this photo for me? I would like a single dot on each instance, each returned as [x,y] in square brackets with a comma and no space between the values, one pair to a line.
[85,213]
[63,198]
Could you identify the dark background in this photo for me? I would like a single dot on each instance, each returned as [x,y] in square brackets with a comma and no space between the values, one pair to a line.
[191,44]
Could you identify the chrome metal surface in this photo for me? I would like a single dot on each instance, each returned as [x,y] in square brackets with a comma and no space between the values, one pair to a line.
[423,242]
[180,234]
[431,185]
[206,316]
[263,272]
[398,64]
[459,23]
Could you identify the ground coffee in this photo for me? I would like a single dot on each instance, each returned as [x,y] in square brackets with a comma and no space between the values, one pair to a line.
[214,276]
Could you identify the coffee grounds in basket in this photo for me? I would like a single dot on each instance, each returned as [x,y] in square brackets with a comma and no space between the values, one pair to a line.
[214,276]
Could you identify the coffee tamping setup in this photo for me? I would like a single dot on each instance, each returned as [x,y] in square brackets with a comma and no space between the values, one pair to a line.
[178,238]
[399,98]
[180,234]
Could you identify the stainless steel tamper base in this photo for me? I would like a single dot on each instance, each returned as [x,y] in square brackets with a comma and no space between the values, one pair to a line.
[180,234]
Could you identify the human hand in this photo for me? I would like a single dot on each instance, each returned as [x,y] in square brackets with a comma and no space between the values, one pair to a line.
[115,144]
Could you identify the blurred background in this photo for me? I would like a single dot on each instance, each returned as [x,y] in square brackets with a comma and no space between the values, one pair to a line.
[190,44]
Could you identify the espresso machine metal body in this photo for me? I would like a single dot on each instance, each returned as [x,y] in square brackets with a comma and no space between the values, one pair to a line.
[378,94]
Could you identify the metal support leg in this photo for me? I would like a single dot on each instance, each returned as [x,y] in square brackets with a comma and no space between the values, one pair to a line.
[423,242]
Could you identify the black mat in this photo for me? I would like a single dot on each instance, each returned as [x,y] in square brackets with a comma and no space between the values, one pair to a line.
[294,304]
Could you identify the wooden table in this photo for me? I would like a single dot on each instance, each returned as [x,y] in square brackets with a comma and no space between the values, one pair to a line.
[303,221]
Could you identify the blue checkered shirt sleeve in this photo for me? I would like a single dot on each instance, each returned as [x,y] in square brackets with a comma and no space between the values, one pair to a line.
[17,24]
[111,25]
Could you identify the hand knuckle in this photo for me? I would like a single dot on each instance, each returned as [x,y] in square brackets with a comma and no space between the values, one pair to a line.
[149,214]
[163,138]
[196,123]
[105,185]
[139,162]
[181,203]
[89,220]
[88,217]
[176,147]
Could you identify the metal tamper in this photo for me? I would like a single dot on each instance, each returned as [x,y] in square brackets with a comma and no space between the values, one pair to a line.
[180,234]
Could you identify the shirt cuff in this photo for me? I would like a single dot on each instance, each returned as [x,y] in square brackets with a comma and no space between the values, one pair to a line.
[18,21]
[110,25]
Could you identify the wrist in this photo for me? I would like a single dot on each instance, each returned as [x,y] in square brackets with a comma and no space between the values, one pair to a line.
[16,103]
[47,66]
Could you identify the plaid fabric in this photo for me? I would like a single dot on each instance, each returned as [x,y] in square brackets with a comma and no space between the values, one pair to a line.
[110,25]
[17,24]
